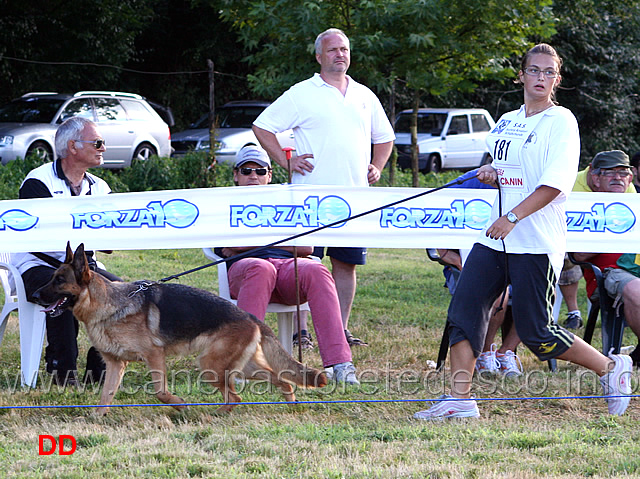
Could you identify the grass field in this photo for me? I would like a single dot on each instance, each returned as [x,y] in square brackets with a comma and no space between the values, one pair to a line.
[400,310]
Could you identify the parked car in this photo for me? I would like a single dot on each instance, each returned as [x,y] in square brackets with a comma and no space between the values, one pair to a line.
[447,138]
[131,128]
[234,121]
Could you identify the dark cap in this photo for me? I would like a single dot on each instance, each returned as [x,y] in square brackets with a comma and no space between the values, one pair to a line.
[610,159]
[253,153]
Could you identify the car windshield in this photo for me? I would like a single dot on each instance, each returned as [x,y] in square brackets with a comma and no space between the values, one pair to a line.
[232,117]
[30,110]
[427,122]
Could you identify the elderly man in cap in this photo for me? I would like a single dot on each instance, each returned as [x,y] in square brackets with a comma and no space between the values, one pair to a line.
[571,273]
[268,276]
[611,173]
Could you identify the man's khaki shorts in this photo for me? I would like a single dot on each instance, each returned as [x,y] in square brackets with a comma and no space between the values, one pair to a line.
[615,279]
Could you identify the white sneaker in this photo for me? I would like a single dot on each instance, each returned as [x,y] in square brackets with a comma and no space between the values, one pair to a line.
[627,350]
[345,373]
[510,364]
[617,382]
[448,407]
[487,362]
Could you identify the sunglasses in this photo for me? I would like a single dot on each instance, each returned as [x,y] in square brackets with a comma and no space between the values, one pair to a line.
[97,144]
[248,171]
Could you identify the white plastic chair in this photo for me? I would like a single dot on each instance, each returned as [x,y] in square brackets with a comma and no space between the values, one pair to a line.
[31,320]
[285,312]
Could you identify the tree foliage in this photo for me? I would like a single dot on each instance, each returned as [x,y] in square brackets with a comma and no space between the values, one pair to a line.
[149,47]
[432,46]
[52,35]
[599,40]
[410,52]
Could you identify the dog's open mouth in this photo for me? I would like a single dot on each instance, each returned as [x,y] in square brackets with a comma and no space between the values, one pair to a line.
[57,308]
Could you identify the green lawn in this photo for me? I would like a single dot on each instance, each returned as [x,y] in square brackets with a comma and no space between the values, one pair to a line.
[400,309]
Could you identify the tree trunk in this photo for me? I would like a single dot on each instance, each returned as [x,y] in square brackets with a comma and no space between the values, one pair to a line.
[413,128]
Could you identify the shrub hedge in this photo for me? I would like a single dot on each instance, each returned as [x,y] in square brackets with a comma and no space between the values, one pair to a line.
[193,170]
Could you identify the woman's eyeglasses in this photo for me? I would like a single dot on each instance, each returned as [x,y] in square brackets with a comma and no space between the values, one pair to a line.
[248,171]
[97,144]
[534,72]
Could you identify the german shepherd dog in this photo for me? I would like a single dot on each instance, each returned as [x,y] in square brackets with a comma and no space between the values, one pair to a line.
[150,321]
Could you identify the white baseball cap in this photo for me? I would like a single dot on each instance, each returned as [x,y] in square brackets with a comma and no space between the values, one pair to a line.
[252,153]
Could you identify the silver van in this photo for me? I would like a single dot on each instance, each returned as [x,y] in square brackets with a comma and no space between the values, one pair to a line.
[131,128]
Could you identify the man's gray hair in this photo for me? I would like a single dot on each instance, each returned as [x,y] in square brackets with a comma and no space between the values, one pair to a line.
[71,129]
[330,31]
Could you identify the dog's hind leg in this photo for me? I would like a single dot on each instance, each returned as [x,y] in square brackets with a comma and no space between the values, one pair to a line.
[255,372]
[220,377]
[158,367]
[113,377]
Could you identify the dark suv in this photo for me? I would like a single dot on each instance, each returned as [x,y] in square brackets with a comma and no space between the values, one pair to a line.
[130,126]
[234,121]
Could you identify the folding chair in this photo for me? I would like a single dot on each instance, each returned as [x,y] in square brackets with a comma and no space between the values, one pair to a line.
[285,312]
[611,319]
[31,321]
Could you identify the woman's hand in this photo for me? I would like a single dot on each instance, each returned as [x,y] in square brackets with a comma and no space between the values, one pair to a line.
[487,175]
[500,228]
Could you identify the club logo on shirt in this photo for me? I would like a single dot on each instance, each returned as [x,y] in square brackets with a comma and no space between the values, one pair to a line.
[500,127]
[533,139]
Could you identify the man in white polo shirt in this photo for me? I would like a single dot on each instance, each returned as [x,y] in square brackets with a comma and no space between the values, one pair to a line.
[343,137]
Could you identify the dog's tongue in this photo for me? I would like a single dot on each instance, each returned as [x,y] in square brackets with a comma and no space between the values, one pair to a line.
[53,306]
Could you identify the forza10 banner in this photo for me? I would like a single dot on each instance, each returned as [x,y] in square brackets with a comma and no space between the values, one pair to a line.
[259,215]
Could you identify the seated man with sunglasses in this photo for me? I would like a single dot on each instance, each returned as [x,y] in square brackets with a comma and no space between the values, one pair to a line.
[268,276]
[611,173]
[79,146]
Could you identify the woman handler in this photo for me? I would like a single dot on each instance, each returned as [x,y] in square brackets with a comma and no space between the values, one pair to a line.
[535,154]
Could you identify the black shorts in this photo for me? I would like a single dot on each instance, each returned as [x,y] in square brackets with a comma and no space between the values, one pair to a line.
[533,285]
[346,255]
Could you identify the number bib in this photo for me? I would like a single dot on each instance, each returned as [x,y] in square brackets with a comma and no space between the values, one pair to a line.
[506,143]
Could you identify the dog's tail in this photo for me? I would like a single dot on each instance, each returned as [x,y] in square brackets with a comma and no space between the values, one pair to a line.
[285,367]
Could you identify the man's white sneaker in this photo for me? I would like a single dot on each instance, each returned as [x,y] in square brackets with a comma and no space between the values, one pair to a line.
[617,382]
[345,373]
[448,407]
[510,364]
[487,362]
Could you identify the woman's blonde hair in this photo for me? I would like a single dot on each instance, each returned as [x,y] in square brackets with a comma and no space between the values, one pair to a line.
[545,49]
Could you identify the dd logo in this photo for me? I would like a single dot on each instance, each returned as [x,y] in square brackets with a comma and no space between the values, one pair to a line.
[61,439]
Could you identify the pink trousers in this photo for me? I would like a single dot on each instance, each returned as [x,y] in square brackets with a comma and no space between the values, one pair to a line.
[256,282]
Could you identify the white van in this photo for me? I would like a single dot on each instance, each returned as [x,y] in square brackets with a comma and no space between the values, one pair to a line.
[447,138]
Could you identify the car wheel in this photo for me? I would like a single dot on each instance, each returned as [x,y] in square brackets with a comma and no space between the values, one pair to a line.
[42,150]
[144,152]
[433,163]
[486,159]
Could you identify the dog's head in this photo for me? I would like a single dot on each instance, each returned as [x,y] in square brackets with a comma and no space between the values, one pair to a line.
[66,284]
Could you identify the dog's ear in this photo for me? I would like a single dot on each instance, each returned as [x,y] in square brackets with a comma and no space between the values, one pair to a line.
[81,265]
[69,256]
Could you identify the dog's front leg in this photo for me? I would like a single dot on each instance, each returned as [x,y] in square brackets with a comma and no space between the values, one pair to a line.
[158,367]
[113,377]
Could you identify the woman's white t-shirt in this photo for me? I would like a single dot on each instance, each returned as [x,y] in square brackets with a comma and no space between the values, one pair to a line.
[527,153]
